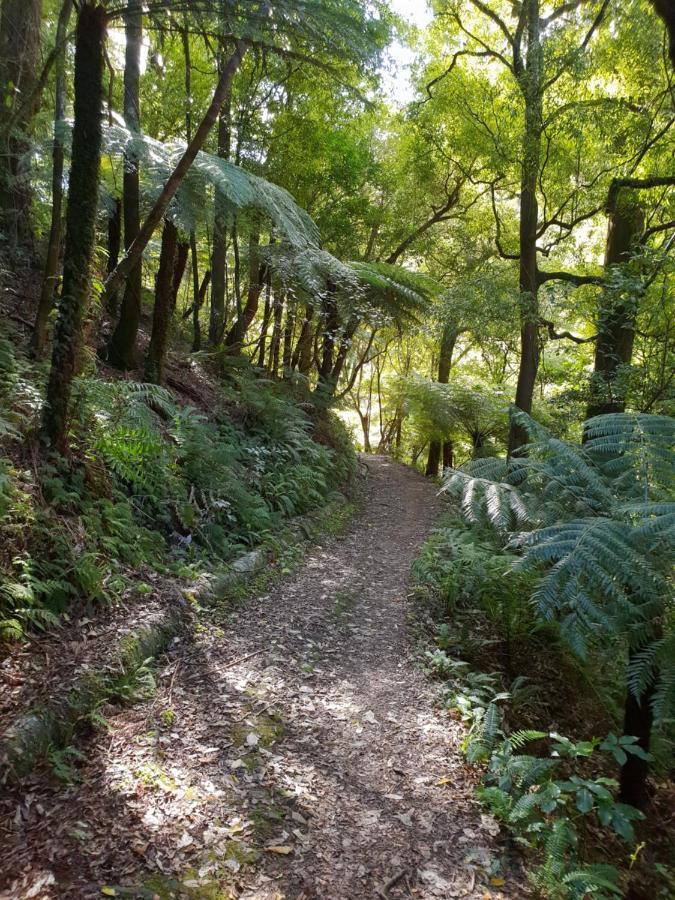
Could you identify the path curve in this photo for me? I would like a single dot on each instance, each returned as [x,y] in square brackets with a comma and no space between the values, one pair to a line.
[298,754]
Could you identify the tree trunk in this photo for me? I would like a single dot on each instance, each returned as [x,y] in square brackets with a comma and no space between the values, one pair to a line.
[265,324]
[638,721]
[256,280]
[343,352]
[161,317]
[219,252]
[448,341]
[302,355]
[20,22]
[80,221]
[433,460]
[330,329]
[275,344]
[617,312]
[156,214]
[114,247]
[180,265]
[289,328]
[530,81]
[448,455]
[122,349]
[46,302]
[194,257]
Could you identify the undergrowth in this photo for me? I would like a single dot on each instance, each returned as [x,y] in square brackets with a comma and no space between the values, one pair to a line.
[149,481]
[519,691]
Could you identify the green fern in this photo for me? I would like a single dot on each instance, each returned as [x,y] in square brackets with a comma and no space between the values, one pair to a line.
[606,570]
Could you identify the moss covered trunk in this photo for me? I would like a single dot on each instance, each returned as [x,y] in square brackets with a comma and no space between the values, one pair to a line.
[46,302]
[80,221]
[114,247]
[217,319]
[122,349]
[161,318]
[617,311]
[19,57]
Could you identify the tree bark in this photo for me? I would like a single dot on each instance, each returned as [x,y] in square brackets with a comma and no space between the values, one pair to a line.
[194,257]
[46,302]
[617,311]
[448,341]
[275,344]
[433,459]
[330,329]
[180,265]
[122,348]
[638,722]
[256,280]
[20,22]
[219,251]
[156,214]
[289,328]
[80,221]
[164,303]
[302,355]
[114,247]
[265,324]
[666,10]
[530,81]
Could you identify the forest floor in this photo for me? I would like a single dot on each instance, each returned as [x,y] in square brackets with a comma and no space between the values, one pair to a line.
[293,750]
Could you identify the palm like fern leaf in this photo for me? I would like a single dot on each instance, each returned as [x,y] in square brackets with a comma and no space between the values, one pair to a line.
[601,523]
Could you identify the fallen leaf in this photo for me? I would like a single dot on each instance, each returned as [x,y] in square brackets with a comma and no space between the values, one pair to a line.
[282,851]
[406,818]
[497,882]
[108,891]
[443,781]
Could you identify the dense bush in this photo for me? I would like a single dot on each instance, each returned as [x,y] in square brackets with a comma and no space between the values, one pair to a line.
[150,480]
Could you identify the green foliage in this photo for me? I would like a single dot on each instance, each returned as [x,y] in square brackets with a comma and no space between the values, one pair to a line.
[153,478]
[547,801]
[600,527]
[470,414]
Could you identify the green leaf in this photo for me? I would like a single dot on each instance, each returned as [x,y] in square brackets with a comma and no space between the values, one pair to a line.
[585,800]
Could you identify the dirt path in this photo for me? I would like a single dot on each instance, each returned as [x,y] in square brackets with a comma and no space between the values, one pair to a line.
[296,753]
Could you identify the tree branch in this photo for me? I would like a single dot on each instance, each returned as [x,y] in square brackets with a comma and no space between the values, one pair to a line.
[565,335]
[569,277]
[452,65]
[665,226]
[498,229]
[156,214]
[636,183]
[440,214]
[491,14]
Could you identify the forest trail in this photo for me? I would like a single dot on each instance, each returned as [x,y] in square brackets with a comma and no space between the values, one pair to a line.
[296,753]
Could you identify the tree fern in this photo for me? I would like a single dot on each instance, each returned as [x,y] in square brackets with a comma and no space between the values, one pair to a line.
[606,571]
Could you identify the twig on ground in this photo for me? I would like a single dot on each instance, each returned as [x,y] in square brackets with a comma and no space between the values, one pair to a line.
[388,885]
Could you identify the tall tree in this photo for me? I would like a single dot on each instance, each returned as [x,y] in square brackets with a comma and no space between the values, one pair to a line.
[122,347]
[51,274]
[220,223]
[436,447]
[618,309]
[80,221]
[163,308]
[20,22]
